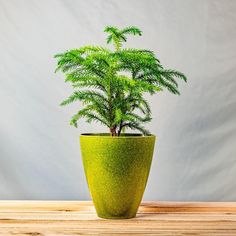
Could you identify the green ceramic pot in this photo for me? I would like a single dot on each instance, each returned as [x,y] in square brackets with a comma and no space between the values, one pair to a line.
[117,170]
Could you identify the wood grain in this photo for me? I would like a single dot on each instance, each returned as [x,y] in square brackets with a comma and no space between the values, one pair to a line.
[153,218]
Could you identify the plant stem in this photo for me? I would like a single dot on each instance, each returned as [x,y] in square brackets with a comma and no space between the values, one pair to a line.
[109,94]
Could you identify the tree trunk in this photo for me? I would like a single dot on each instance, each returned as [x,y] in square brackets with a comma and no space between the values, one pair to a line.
[120,128]
[113,131]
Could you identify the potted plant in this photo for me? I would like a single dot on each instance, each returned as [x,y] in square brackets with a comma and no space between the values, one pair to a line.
[111,84]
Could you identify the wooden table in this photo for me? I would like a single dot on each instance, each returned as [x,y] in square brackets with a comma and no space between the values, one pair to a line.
[79,218]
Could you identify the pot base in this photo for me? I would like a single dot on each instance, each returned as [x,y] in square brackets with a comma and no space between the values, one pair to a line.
[115,217]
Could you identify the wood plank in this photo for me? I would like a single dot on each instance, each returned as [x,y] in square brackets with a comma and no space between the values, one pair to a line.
[153,218]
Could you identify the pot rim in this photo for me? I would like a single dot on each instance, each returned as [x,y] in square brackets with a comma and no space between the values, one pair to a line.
[126,135]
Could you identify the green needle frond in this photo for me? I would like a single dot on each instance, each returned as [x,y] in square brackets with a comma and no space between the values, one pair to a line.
[112,84]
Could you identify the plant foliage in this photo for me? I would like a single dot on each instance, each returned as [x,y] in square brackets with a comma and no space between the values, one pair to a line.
[111,84]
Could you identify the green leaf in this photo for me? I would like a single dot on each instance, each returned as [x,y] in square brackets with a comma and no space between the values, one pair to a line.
[131,30]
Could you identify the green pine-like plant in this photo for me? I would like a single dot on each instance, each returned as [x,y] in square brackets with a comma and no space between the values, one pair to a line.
[111,84]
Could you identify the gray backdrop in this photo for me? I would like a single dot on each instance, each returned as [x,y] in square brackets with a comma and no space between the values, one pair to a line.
[195,157]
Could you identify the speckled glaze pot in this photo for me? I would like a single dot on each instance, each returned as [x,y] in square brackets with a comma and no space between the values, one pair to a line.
[116,170]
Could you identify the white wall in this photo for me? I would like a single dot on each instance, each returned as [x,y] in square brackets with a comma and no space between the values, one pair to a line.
[195,156]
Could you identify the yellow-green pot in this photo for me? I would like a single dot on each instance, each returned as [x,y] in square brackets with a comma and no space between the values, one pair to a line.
[116,170]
